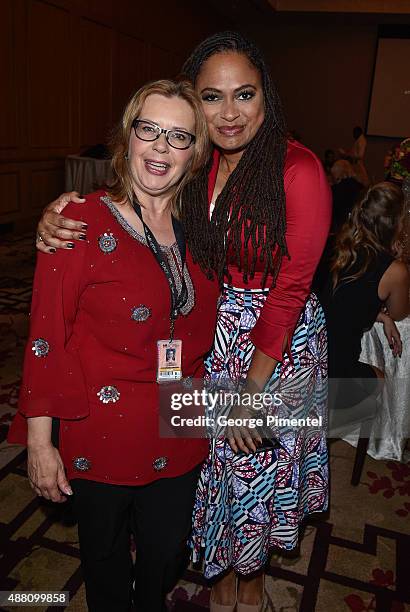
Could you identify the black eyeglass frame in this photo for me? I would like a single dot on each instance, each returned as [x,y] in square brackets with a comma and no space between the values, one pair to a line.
[160,131]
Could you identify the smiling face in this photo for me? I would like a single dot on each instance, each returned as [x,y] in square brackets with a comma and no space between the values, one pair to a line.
[232,96]
[155,166]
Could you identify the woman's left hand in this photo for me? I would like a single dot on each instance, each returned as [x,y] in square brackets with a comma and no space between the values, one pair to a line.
[393,337]
[46,473]
[392,334]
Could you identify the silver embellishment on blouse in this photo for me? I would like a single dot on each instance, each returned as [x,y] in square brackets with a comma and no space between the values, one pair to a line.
[40,347]
[140,313]
[160,463]
[187,382]
[108,394]
[81,464]
[107,243]
[121,220]
[171,252]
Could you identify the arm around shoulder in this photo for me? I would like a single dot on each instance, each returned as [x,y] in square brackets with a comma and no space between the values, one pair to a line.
[56,231]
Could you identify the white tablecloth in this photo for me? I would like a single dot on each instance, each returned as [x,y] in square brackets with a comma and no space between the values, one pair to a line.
[391,426]
[86,174]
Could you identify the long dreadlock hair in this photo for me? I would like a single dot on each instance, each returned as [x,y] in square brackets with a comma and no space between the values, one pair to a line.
[252,203]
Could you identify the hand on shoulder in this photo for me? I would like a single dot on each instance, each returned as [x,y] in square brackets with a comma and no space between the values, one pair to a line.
[57,231]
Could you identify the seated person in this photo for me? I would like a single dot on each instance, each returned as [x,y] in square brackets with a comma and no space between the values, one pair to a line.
[366,275]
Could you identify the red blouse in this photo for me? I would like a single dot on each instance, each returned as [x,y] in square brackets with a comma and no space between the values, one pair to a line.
[97,313]
[308,216]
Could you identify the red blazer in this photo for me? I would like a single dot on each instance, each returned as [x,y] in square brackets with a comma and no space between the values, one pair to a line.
[308,216]
[85,336]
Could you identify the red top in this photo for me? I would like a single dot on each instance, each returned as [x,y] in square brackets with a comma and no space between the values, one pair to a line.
[82,307]
[308,216]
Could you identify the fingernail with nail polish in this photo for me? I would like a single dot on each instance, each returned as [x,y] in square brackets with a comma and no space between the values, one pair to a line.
[70,245]
[52,250]
[84,226]
[82,237]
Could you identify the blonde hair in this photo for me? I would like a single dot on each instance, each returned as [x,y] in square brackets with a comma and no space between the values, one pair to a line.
[121,188]
[372,228]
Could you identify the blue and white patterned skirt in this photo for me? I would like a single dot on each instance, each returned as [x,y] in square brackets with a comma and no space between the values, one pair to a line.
[247,504]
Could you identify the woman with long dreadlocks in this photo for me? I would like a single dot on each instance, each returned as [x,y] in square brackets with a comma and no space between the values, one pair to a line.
[257,217]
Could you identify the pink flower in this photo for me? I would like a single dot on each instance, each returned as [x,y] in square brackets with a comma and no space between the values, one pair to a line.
[381,578]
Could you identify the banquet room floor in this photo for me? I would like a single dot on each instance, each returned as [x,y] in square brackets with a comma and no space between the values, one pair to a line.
[354,558]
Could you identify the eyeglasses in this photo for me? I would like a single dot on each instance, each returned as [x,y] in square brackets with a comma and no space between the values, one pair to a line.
[146,130]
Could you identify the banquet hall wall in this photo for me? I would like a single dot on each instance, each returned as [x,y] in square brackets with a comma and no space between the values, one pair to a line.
[67,68]
[323,65]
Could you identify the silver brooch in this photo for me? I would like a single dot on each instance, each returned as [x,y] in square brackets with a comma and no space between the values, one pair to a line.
[107,243]
[187,382]
[140,313]
[40,347]
[108,394]
[81,464]
[160,463]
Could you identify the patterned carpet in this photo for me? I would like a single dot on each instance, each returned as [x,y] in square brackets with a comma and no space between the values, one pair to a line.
[355,558]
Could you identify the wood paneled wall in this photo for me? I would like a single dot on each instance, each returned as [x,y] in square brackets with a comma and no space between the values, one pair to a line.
[323,66]
[67,68]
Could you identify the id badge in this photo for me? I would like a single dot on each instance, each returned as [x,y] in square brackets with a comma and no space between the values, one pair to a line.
[169,360]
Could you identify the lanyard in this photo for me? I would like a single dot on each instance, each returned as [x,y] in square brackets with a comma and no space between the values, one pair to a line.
[178,300]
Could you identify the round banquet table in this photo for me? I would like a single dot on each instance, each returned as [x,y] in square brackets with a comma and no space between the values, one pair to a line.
[391,426]
[86,174]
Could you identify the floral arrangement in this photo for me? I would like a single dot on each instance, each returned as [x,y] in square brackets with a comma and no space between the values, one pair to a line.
[397,162]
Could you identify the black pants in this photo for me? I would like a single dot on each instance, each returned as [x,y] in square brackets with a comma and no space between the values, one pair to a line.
[159,516]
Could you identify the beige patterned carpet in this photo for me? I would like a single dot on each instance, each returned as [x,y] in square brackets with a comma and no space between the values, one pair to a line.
[356,558]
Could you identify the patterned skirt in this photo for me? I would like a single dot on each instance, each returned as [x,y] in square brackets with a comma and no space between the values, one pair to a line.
[247,504]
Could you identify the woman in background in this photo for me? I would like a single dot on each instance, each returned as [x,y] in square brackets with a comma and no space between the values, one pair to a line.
[357,154]
[366,274]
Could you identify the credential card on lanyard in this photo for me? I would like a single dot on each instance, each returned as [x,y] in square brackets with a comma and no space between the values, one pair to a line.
[169,360]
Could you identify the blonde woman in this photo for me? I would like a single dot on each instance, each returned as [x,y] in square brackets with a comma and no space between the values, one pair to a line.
[97,315]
